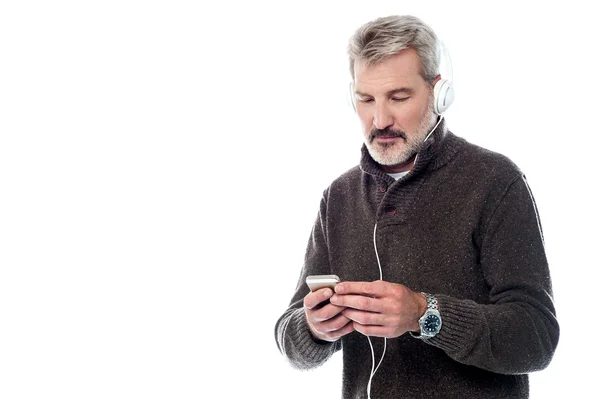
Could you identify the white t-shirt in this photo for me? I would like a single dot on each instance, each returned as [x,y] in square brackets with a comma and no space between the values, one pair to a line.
[398,175]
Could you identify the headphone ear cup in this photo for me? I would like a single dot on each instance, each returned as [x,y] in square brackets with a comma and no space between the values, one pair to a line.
[443,96]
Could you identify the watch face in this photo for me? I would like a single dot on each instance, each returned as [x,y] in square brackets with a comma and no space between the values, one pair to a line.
[431,324]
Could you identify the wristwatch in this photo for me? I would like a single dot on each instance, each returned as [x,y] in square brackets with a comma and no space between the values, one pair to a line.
[431,322]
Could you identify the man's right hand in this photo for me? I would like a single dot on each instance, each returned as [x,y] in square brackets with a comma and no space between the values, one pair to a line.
[326,322]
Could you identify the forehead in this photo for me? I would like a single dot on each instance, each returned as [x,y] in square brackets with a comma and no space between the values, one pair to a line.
[402,69]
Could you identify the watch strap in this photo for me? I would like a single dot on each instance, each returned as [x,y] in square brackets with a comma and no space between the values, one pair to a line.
[432,303]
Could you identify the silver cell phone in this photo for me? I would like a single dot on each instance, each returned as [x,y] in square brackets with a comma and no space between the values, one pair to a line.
[322,281]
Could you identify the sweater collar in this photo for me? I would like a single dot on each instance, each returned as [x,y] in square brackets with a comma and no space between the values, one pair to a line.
[439,149]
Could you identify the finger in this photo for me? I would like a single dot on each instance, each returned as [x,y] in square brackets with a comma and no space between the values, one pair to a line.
[373,331]
[327,312]
[359,302]
[347,329]
[376,288]
[333,324]
[365,318]
[313,299]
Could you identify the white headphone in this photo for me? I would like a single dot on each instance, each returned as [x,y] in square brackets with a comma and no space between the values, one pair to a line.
[443,96]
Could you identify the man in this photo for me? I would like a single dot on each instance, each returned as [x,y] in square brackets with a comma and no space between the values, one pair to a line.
[437,243]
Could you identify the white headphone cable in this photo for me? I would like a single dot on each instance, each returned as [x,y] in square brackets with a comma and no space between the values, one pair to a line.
[435,127]
[373,368]
[432,130]
[441,116]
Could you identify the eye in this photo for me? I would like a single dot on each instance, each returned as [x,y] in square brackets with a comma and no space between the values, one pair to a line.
[365,100]
[399,100]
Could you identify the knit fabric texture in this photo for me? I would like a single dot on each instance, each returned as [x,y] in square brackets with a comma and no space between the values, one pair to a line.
[462,225]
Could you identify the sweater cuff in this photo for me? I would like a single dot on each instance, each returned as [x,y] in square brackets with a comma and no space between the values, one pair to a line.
[302,348]
[460,319]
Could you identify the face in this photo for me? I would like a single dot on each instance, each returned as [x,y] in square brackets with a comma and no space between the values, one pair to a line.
[394,104]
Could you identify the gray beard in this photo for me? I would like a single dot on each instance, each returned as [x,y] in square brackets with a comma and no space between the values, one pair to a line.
[386,154]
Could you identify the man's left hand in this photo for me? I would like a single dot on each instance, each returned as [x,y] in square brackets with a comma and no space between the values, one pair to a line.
[380,308]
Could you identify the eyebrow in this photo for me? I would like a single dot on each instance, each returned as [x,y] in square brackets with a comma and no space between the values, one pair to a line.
[403,90]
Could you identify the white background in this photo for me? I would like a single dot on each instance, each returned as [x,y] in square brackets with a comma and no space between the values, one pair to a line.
[161,165]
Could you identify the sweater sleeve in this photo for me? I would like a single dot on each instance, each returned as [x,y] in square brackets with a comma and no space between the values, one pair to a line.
[292,333]
[516,331]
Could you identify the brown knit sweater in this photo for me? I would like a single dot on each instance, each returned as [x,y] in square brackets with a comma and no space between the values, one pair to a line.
[461,225]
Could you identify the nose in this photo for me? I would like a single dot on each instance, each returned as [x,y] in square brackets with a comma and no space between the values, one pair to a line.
[382,117]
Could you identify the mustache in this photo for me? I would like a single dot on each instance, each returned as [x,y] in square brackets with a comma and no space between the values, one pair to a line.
[387,132]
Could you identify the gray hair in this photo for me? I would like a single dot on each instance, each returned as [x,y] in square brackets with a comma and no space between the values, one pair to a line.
[384,37]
